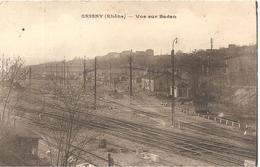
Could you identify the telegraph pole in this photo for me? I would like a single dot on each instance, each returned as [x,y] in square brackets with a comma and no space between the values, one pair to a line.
[30,77]
[130,66]
[56,72]
[67,72]
[211,44]
[110,76]
[173,102]
[211,48]
[149,77]
[61,73]
[84,74]
[3,64]
[45,70]
[167,76]
[64,72]
[95,88]
[6,66]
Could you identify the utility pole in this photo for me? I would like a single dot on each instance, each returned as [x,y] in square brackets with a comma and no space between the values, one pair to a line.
[167,76]
[6,67]
[67,73]
[110,75]
[84,73]
[173,102]
[45,70]
[211,44]
[149,78]
[61,73]
[30,77]
[51,70]
[130,66]
[56,72]
[211,48]
[3,64]
[95,88]
[64,72]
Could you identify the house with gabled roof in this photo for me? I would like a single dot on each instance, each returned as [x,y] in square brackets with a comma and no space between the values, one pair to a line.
[160,82]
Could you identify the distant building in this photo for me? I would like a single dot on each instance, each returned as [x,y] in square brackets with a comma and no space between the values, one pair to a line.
[125,53]
[140,53]
[149,52]
[156,82]
[241,65]
[233,65]
[113,55]
[182,90]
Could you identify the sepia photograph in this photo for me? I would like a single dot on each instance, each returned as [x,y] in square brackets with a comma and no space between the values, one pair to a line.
[128,83]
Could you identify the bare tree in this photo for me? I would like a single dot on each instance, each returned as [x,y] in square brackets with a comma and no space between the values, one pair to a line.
[65,127]
[11,70]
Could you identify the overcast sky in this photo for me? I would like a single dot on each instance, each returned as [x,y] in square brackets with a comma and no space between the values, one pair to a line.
[53,30]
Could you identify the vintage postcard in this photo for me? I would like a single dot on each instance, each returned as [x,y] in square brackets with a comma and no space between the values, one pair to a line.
[128,83]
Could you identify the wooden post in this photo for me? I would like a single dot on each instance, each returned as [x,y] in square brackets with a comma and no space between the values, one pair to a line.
[95,86]
[110,160]
[84,74]
[130,77]
[64,71]
[3,68]
[56,72]
[30,77]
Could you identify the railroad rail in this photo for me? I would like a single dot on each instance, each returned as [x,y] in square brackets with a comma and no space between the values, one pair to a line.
[161,139]
[210,151]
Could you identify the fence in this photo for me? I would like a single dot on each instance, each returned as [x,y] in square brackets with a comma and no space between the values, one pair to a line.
[219,120]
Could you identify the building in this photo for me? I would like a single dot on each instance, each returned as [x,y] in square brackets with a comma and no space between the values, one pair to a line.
[19,148]
[125,53]
[161,83]
[240,65]
[113,55]
[233,65]
[182,90]
[149,52]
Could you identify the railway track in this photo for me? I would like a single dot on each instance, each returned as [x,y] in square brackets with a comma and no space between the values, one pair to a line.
[197,148]
[191,151]
[220,132]
[58,107]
